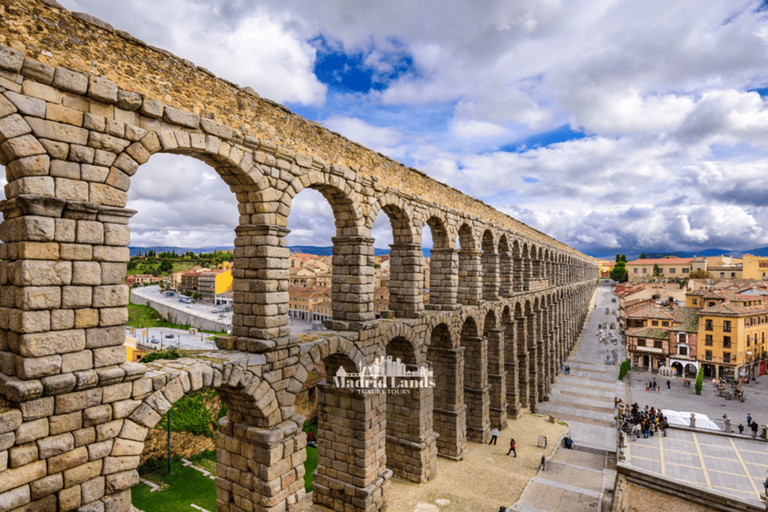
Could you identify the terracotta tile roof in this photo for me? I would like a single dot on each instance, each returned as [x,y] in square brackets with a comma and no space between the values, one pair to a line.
[688,320]
[645,332]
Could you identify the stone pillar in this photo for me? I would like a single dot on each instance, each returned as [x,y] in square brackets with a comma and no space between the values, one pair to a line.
[411,441]
[506,274]
[533,362]
[470,278]
[450,414]
[351,470]
[260,286]
[260,468]
[524,391]
[406,280]
[497,378]
[476,389]
[526,274]
[352,283]
[490,264]
[443,279]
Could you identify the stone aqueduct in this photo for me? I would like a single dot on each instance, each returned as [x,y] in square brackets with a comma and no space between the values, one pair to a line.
[82,107]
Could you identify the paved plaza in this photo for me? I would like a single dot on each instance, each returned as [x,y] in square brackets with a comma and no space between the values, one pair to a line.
[726,464]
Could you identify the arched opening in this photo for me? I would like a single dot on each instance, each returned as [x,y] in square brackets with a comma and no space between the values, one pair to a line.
[475,382]
[447,364]
[398,274]
[497,382]
[470,271]
[411,443]
[490,266]
[351,279]
[441,274]
[310,277]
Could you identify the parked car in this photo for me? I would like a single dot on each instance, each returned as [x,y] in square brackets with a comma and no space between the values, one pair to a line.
[169,335]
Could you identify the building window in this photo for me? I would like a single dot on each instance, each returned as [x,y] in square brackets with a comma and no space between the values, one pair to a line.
[645,271]
[726,357]
[722,274]
[726,326]
[682,351]
[708,355]
[654,322]
[708,340]
[665,324]
[658,344]
[726,342]
[685,270]
[708,325]
[711,304]
[695,302]
[634,271]
[733,275]
[672,270]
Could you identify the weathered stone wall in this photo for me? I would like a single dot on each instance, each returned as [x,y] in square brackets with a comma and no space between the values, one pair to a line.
[81,109]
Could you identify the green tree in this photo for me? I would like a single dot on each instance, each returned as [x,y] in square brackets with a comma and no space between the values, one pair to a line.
[700,274]
[166,265]
[656,271]
[196,296]
[643,256]
[619,272]
[699,381]
[624,258]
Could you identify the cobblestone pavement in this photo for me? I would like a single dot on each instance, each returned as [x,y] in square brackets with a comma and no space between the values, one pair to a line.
[727,464]
[679,398]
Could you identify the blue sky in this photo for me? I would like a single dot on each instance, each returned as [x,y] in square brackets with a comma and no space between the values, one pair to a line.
[611,125]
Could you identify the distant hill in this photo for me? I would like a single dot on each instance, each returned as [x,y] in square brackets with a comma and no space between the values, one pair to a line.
[306,249]
[761,251]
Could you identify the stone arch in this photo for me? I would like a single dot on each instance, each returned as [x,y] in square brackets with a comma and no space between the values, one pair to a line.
[406,298]
[443,264]
[352,249]
[343,199]
[411,444]
[404,332]
[449,413]
[470,268]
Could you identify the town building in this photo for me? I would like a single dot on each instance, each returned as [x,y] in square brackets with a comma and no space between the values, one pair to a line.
[669,267]
[754,267]
[211,284]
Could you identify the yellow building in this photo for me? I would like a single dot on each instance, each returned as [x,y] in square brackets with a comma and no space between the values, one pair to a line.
[754,267]
[302,302]
[132,351]
[210,284]
[732,338]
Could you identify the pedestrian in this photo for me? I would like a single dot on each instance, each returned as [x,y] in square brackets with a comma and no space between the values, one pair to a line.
[741,428]
[311,440]
[749,418]
[658,389]
[512,447]
[654,383]
[669,384]
[754,428]
[765,486]
[494,436]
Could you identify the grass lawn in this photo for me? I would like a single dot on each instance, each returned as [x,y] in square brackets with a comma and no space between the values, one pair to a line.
[145,316]
[311,463]
[184,487]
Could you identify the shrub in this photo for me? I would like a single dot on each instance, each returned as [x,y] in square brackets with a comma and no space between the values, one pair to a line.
[169,353]
[699,381]
[154,463]
[624,368]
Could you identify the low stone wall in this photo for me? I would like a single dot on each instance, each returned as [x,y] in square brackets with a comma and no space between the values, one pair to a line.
[708,497]
[177,315]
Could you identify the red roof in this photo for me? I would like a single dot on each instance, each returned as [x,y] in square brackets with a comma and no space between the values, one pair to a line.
[659,261]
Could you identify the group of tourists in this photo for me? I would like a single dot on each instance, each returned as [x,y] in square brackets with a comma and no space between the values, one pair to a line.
[636,421]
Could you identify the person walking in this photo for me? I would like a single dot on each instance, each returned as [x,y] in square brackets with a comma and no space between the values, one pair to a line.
[749,418]
[669,384]
[741,428]
[494,436]
[754,428]
[512,447]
